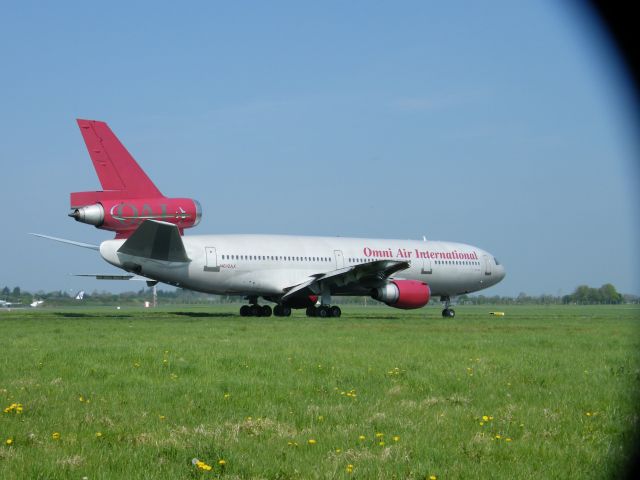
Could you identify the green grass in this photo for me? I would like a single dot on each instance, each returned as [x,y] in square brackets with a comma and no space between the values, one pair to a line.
[163,387]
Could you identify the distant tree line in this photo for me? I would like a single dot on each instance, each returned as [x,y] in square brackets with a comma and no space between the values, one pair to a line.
[583,295]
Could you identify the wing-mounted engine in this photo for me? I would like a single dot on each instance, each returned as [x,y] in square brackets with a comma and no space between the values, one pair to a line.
[405,294]
[129,196]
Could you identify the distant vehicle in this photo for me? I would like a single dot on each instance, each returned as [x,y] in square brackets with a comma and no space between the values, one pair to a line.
[36,303]
[5,304]
[290,271]
[80,295]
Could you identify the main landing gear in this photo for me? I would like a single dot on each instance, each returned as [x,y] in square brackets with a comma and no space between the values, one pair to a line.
[447,312]
[255,310]
[282,311]
[324,311]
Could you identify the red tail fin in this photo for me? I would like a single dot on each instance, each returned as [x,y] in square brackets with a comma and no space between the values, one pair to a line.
[129,196]
[116,168]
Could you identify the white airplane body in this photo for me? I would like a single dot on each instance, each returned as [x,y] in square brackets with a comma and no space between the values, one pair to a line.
[266,265]
[291,271]
[5,304]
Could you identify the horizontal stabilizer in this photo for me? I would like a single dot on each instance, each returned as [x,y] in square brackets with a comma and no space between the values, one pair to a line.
[70,242]
[99,276]
[157,241]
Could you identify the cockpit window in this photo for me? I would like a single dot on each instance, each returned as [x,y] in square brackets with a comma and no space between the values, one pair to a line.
[496,260]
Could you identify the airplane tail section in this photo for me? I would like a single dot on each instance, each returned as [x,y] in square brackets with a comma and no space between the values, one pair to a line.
[116,168]
[129,197]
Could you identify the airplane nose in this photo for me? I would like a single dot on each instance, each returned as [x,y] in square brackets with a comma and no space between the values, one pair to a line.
[502,272]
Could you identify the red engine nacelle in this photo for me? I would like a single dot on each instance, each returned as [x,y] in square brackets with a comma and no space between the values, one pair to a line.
[124,215]
[405,294]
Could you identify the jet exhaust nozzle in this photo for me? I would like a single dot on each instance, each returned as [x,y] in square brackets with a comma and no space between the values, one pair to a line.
[91,214]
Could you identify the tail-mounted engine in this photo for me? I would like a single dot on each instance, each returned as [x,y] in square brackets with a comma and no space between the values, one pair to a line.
[405,294]
[123,216]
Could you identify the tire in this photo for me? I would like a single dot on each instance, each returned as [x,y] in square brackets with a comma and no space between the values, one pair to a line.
[244,311]
[335,311]
[255,310]
[265,311]
[286,311]
[311,311]
[323,312]
[277,311]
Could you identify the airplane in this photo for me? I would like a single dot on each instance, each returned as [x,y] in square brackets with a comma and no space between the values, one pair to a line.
[36,303]
[5,304]
[289,271]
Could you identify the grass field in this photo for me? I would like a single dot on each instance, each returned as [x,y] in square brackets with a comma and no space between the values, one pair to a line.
[543,392]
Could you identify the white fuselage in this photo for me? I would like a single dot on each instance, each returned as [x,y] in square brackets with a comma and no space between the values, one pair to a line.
[267,265]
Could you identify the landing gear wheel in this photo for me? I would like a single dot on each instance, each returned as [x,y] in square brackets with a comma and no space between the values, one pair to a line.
[277,310]
[255,310]
[448,313]
[322,312]
[286,311]
[335,311]
[311,311]
[244,311]
[265,311]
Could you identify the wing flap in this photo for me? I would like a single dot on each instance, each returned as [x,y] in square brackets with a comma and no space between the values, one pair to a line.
[365,275]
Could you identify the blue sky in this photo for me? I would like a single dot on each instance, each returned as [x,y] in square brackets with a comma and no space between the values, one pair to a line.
[506,125]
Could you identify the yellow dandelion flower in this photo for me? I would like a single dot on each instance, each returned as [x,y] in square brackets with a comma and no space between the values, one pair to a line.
[588,414]
[396,438]
[312,441]
[338,450]
[433,477]
[507,439]
[55,435]
[379,435]
[227,395]
[349,468]
[222,462]
[498,437]
[481,424]
[485,418]
[361,437]
[161,417]
[98,434]
[381,444]
[9,441]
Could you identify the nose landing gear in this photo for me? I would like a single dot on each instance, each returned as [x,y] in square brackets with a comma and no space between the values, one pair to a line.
[448,312]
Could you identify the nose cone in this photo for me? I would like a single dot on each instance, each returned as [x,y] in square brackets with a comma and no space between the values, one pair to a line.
[500,272]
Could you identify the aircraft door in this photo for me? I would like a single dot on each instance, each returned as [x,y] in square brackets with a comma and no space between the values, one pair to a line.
[339,258]
[487,264]
[211,260]
[427,269]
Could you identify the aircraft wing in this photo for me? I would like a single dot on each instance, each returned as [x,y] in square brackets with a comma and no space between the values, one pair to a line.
[354,279]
